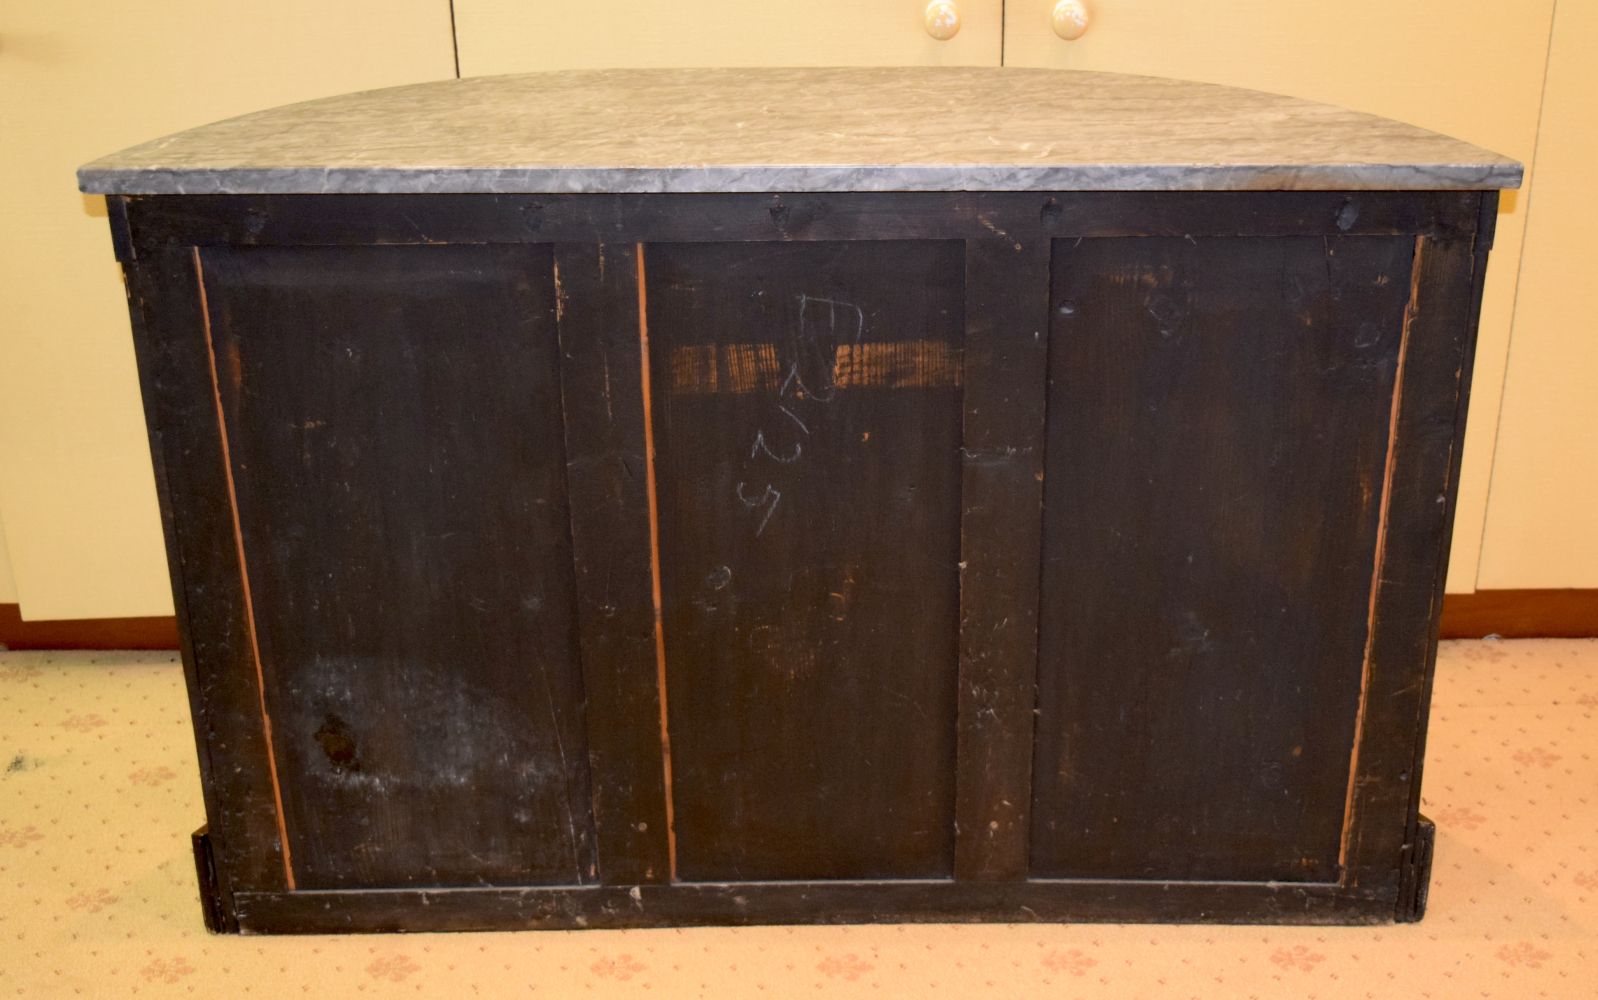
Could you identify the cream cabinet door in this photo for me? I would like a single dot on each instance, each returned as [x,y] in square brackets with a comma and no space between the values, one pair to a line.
[515,36]
[1469,68]
[1542,515]
[79,79]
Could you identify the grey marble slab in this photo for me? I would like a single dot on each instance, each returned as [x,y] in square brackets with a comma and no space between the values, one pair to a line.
[905,129]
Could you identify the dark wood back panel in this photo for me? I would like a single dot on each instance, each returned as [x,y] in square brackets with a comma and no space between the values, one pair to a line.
[241,799]
[807,432]
[421,621]
[394,426]
[607,474]
[1218,424]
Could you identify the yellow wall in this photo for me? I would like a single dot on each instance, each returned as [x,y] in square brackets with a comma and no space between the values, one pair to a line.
[77,508]
[8,586]
[1468,68]
[80,78]
[1542,515]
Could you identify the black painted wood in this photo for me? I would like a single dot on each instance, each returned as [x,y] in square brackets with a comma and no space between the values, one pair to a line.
[807,427]
[399,477]
[607,474]
[215,904]
[744,903]
[1001,497]
[1481,244]
[162,220]
[1218,421]
[484,455]
[1408,600]
[207,586]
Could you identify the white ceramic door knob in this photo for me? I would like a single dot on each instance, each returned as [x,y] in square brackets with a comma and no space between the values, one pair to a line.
[1070,19]
[942,19]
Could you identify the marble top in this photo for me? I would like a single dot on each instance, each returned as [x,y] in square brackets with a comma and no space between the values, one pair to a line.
[906,129]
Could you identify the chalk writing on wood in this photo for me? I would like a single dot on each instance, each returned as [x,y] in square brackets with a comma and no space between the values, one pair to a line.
[743,368]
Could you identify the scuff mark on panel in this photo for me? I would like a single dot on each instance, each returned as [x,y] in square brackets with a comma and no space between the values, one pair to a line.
[749,368]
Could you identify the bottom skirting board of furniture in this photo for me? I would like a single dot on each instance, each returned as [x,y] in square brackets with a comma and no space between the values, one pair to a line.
[690,904]
[830,902]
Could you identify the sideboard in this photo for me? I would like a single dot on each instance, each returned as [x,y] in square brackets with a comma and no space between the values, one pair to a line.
[642,498]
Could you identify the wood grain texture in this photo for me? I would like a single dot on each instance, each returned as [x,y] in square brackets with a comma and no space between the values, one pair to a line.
[1420,834]
[1001,522]
[409,558]
[251,634]
[1383,804]
[809,537]
[207,582]
[607,468]
[1218,420]
[1521,614]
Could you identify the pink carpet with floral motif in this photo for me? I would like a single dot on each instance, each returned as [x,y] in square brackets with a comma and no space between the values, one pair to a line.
[99,791]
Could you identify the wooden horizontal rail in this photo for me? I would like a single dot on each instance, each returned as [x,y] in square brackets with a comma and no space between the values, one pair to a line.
[910,901]
[1510,614]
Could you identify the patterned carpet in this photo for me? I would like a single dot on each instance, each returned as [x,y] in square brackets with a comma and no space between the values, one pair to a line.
[97,897]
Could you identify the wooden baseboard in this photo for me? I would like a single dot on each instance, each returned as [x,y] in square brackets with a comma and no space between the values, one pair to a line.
[1521,614]
[1512,614]
[86,633]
